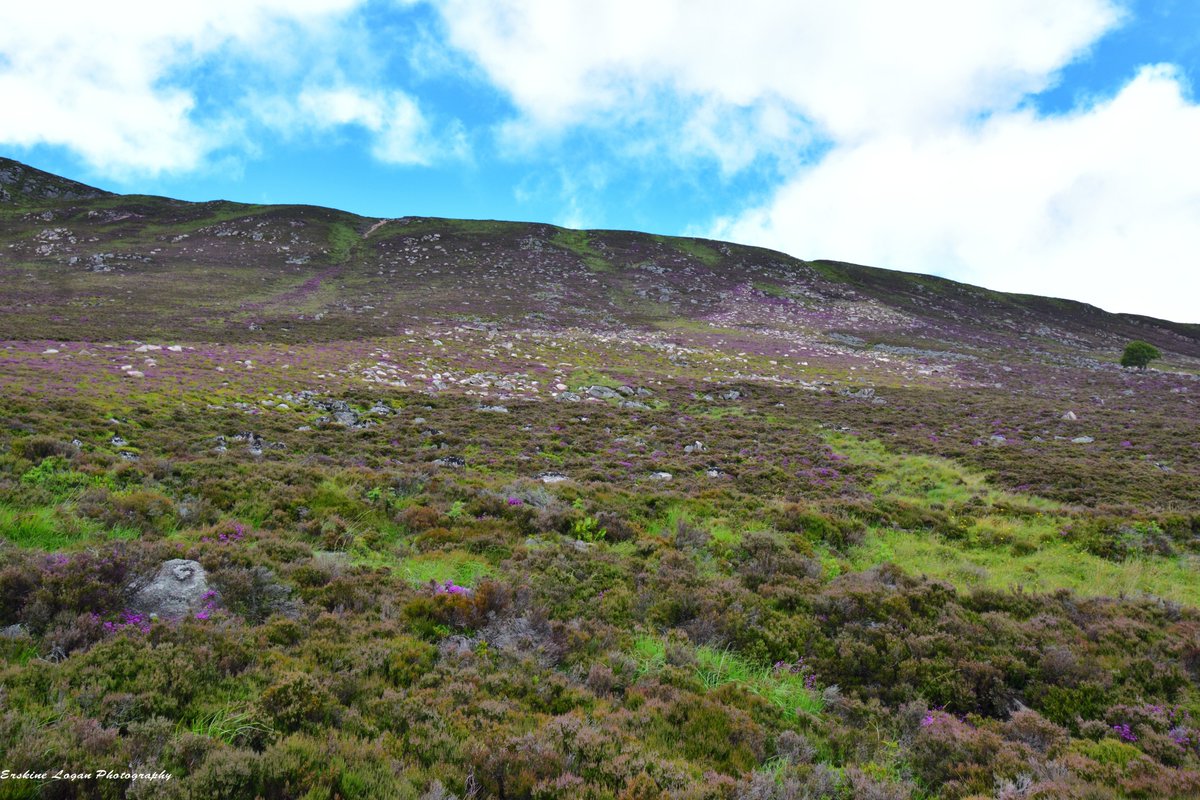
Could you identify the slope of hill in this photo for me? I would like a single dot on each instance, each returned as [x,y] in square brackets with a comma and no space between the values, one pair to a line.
[494,509]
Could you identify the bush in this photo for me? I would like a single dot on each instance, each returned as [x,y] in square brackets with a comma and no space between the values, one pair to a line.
[1138,354]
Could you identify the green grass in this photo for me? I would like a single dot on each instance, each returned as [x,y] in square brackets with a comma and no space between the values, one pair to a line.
[46,528]
[455,566]
[342,241]
[927,479]
[1057,565]
[56,477]
[715,668]
[228,726]
[694,248]
[578,243]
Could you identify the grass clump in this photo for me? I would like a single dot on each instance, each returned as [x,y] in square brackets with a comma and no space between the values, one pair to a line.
[789,687]
[455,566]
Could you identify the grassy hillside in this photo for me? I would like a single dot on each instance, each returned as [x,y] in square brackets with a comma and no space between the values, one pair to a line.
[494,509]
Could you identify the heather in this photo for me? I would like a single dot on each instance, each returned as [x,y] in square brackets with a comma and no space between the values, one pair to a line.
[501,510]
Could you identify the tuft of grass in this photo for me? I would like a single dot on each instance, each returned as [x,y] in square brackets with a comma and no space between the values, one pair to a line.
[456,566]
[48,528]
[32,527]
[228,726]
[715,668]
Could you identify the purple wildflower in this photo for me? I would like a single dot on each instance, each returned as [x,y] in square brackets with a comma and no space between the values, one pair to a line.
[1125,732]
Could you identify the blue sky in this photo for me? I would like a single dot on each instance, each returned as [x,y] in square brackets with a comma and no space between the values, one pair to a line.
[1048,148]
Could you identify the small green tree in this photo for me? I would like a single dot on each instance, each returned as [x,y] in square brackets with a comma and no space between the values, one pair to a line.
[1139,354]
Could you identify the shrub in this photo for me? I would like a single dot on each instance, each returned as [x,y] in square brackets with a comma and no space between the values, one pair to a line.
[37,448]
[1138,354]
[296,701]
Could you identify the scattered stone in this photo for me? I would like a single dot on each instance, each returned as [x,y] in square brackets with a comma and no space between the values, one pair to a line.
[179,588]
[634,404]
[133,373]
[570,397]
[552,477]
[695,447]
[454,462]
[661,476]
[117,441]
[49,351]
[340,413]
[713,472]
[495,409]
[997,439]
[1070,415]
[1083,440]
[601,392]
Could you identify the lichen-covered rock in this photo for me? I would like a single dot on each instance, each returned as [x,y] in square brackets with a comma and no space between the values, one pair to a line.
[178,588]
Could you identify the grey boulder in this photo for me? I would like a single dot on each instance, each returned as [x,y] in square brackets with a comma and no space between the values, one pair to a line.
[179,588]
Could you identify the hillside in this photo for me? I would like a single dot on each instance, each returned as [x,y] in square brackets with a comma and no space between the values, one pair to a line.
[498,509]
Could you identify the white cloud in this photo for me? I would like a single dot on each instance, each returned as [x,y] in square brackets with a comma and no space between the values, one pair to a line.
[400,132]
[1101,205]
[852,68]
[148,87]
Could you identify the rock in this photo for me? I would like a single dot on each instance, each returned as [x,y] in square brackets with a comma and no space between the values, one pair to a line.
[732,394]
[16,631]
[1083,440]
[713,472]
[570,397]
[117,441]
[495,409]
[696,447]
[661,476]
[1070,415]
[49,351]
[179,588]
[997,439]
[601,392]
[634,404]
[552,477]
[133,373]
[454,462]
